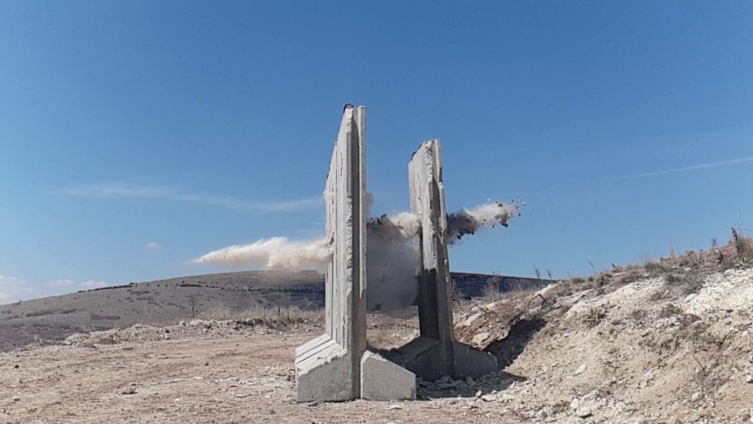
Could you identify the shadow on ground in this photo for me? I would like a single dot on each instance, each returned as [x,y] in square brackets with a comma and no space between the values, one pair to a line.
[509,348]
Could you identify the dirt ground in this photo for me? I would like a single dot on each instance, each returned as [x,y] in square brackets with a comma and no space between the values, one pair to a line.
[667,342]
[218,376]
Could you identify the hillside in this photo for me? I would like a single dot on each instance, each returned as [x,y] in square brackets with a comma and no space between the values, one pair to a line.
[184,298]
[668,341]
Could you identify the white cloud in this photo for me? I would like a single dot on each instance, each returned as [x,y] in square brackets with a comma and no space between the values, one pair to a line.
[13,289]
[153,245]
[91,284]
[125,191]
[674,170]
[60,284]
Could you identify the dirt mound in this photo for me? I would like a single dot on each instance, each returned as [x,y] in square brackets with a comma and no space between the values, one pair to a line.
[617,351]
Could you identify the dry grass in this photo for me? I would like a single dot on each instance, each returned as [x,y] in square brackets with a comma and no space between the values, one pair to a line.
[268,315]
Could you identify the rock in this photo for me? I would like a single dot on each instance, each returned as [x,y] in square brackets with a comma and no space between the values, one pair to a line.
[581,369]
[469,381]
[575,403]
[696,396]
[583,412]
[394,407]
[471,319]
[492,305]
[16,399]
[480,338]
[488,398]
[749,378]
[478,394]
[427,384]
[541,413]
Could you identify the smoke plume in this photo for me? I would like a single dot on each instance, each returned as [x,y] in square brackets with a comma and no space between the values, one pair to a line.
[468,221]
[273,253]
[401,227]
[392,262]
[392,258]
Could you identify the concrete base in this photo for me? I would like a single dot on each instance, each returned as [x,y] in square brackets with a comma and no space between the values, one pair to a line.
[470,362]
[422,356]
[323,371]
[384,380]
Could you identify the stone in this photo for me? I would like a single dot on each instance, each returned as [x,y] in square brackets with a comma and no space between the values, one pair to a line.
[383,380]
[581,369]
[480,338]
[336,365]
[583,412]
[749,378]
[16,399]
[471,319]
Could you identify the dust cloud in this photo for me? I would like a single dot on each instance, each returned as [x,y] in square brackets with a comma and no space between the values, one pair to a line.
[392,258]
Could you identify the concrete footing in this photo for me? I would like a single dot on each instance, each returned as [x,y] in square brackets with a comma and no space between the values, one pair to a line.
[385,380]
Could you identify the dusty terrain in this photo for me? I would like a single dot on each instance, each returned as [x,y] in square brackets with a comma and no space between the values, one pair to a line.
[666,341]
[164,302]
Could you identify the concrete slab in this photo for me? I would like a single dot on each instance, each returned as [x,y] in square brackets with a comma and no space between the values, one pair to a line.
[329,367]
[336,366]
[445,356]
[384,380]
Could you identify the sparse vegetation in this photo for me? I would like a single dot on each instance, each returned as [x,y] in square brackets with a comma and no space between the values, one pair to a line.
[594,317]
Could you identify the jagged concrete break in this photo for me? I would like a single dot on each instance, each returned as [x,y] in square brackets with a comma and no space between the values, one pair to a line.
[336,366]
[436,352]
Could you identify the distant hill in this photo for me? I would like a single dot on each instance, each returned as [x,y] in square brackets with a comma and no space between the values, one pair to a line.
[182,298]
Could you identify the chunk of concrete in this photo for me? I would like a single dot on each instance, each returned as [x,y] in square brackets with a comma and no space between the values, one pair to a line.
[384,380]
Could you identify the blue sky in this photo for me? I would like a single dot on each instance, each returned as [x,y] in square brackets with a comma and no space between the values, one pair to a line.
[626,127]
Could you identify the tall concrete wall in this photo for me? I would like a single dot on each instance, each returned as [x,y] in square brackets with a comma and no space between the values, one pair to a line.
[436,352]
[329,367]
[336,365]
[428,202]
